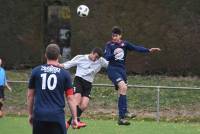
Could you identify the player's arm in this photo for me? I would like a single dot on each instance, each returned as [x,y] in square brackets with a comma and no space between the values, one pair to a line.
[141,49]
[108,55]
[5,81]
[72,105]
[73,62]
[30,96]
[104,62]
[137,48]
[30,100]
[6,84]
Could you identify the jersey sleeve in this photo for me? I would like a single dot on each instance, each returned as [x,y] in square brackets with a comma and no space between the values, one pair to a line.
[68,85]
[136,48]
[72,62]
[68,81]
[108,55]
[31,84]
[104,62]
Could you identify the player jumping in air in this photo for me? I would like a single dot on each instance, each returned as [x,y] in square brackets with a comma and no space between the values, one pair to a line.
[87,66]
[47,86]
[115,53]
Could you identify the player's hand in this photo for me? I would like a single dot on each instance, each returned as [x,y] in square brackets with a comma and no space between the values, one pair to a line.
[10,89]
[30,119]
[152,50]
[60,65]
[75,124]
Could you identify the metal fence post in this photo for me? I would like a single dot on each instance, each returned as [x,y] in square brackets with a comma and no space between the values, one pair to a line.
[158,105]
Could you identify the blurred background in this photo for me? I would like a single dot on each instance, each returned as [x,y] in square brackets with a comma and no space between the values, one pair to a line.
[174,26]
[27,26]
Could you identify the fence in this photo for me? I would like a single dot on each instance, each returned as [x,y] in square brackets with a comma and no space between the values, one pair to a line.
[158,88]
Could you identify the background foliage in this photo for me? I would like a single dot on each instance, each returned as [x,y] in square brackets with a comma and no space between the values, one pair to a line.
[173,26]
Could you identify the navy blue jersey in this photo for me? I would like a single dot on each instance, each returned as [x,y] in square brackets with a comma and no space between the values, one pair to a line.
[50,83]
[116,53]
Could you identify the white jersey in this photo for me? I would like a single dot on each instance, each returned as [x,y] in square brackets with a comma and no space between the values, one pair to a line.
[86,68]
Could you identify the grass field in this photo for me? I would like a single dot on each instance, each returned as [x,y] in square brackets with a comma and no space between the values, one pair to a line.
[175,105]
[19,125]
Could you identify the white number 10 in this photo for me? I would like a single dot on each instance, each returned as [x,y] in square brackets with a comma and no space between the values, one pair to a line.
[47,81]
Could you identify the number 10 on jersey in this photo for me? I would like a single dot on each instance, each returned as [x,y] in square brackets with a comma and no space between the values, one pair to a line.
[48,82]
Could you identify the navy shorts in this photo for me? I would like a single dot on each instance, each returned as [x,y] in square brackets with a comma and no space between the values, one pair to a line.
[1,92]
[46,127]
[82,86]
[116,74]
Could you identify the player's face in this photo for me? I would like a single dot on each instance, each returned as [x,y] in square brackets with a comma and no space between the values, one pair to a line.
[94,56]
[0,62]
[116,37]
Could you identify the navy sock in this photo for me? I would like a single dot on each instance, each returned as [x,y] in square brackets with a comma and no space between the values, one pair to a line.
[125,104]
[122,106]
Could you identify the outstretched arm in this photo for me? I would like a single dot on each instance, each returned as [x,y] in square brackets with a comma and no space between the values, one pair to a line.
[142,49]
[73,62]
[137,48]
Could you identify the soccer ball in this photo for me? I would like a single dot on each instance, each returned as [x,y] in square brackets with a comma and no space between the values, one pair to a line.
[83,10]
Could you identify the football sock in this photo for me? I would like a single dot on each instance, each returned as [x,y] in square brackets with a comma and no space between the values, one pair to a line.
[121,107]
[79,112]
[124,104]
[1,104]
[70,120]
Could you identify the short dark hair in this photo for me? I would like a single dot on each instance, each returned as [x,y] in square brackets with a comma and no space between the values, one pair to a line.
[98,51]
[116,30]
[52,51]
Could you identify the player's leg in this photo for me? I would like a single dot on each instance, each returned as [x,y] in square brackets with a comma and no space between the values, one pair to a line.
[84,103]
[78,89]
[122,103]
[118,77]
[81,108]
[77,97]
[1,100]
[87,86]
[1,105]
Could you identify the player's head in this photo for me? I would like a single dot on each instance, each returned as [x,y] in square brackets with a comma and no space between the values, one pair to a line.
[52,52]
[95,54]
[116,34]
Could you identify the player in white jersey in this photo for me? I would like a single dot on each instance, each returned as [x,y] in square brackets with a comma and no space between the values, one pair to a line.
[87,66]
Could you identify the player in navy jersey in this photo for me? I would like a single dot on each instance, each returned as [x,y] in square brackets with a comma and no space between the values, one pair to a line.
[48,85]
[115,53]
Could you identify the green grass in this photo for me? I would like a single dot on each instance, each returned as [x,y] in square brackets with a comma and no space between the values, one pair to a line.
[175,103]
[19,125]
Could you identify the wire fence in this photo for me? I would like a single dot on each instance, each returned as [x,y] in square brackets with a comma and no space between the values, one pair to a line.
[157,88]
